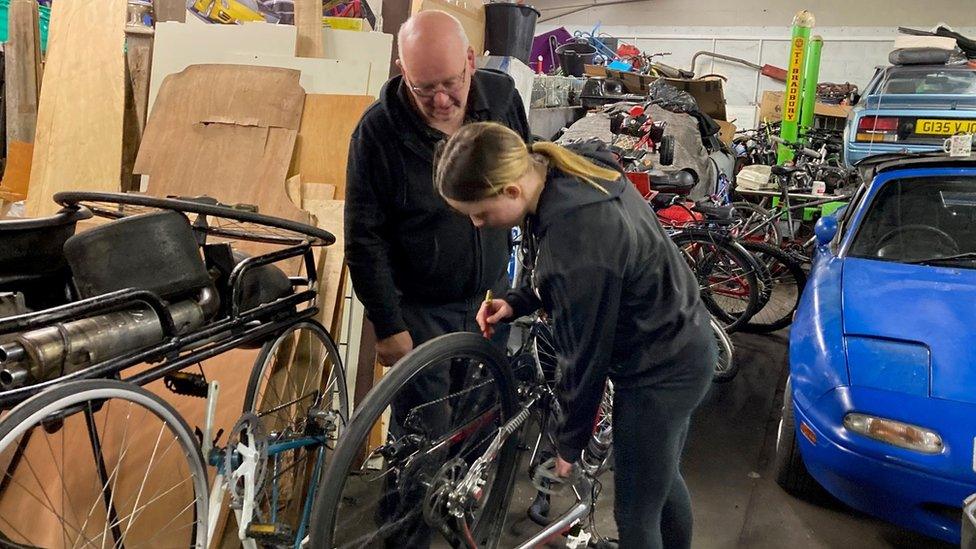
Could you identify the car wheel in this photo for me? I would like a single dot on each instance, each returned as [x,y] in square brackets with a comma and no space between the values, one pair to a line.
[791,473]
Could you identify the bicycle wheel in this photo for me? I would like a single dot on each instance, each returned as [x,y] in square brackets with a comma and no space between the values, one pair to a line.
[726,368]
[726,273]
[755,224]
[297,391]
[96,463]
[787,280]
[443,405]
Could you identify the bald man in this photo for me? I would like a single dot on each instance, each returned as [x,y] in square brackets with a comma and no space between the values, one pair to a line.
[420,269]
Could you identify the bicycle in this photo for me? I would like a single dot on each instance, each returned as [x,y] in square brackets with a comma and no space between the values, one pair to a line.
[449,464]
[73,375]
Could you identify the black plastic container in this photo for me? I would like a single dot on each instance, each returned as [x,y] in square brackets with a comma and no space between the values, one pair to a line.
[573,56]
[509,29]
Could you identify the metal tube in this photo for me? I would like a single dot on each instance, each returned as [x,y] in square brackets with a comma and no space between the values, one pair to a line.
[577,512]
[115,365]
[811,77]
[11,353]
[13,376]
[802,24]
[67,347]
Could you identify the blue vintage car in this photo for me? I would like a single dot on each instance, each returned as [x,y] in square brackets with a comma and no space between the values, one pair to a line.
[880,406]
[911,108]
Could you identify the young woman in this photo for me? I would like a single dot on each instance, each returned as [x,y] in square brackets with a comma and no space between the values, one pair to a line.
[623,302]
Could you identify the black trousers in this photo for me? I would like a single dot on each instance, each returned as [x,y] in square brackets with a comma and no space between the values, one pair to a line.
[652,505]
[425,322]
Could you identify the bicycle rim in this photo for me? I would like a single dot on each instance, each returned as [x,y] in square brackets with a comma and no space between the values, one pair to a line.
[726,275]
[787,280]
[297,390]
[417,432]
[101,463]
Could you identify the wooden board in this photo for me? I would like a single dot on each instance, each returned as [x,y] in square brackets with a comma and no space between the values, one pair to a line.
[374,47]
[22,75]
[139,45]
[225,131]
[16,173]
[170,10]
[78,143]
[22,71]
[328,121]
[328,215]
[308,24]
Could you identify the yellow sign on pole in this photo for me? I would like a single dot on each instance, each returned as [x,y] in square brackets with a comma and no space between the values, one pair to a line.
[791,106]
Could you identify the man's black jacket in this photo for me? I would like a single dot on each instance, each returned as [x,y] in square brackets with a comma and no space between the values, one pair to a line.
[402,241]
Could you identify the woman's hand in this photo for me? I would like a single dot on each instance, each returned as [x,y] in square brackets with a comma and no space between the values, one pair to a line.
[491,313]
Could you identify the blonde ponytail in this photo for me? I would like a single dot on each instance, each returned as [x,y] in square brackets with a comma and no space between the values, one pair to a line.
[575,165]
[481,158]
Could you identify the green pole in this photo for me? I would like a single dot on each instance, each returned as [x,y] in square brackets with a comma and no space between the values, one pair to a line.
[811,77]
[802,24]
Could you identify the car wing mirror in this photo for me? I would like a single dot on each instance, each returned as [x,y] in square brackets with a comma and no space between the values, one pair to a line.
[825,230]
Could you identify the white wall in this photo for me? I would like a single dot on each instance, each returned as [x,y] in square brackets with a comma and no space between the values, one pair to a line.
[850,53]
[760,13]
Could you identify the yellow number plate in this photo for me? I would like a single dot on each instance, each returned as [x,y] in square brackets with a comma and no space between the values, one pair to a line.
[944,127]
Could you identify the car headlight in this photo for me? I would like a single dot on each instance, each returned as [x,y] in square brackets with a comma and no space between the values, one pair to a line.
[896,433]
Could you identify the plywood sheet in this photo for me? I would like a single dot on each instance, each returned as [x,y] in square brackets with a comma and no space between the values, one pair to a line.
[78,142]
[308,24]
[328,215]
[226,131]
[322,151]
[179,45]
[374,47]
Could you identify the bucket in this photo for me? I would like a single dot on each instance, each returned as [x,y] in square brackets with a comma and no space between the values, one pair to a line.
[509,30]
[573,56]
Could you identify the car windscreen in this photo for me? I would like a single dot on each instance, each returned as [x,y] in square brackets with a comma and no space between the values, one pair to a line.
[927,81]
[928,220]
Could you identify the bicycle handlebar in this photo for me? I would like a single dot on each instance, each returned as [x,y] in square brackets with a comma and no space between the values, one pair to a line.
[797,147]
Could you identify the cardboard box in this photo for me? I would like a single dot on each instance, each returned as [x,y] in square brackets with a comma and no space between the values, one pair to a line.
[708,92]
[771,108]
[726,131]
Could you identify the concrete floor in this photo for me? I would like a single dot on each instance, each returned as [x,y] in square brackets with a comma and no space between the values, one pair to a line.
[728,467]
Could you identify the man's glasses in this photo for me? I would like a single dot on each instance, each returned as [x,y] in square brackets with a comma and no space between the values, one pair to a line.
[448,86]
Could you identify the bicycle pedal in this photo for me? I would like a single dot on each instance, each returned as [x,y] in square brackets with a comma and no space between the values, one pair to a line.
[270,534]
[184,383]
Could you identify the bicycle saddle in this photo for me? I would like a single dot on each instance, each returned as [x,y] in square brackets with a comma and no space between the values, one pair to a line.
[713,212]
[680,182]
[784,170]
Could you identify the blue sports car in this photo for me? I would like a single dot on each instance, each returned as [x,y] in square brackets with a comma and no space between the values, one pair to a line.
[911,108]
[880,406]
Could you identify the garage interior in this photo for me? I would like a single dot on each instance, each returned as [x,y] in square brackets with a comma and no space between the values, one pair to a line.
[191,354]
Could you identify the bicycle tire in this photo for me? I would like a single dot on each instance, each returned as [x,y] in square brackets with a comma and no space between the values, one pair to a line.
[294,233]
[727,253]
[726,367]
[291,420]
[435,352]
[784,271]
[36,412]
